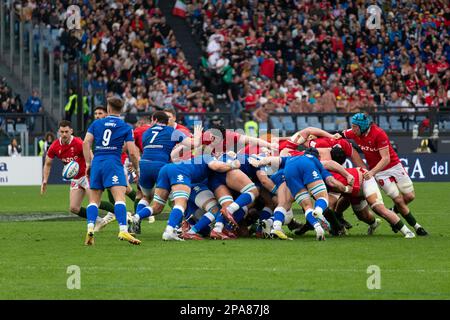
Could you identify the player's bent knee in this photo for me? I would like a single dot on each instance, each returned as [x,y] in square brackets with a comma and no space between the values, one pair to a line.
[319,190]
[360,207]
[406,187]
[409,197]
[302,196]
[391,190]
[75,209]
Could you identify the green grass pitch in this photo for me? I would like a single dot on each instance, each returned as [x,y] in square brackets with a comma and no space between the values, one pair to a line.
[35,256]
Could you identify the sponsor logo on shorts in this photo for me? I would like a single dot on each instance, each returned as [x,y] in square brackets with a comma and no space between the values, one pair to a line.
[115,179]
[180,178]
[315,174]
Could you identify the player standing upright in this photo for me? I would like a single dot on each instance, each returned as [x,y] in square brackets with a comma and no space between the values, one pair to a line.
[109,135]
[69,148]
[384,165]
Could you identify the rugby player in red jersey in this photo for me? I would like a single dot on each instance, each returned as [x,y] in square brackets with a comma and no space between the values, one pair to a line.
[173,122]
[384,165]
[365,193]
[69,148]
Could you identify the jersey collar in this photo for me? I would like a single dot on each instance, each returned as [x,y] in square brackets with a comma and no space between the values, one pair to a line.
[70,141]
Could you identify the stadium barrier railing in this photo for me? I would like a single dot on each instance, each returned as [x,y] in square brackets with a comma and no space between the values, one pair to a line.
[390,119]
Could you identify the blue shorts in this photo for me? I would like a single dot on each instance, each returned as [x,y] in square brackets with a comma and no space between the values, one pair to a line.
[216,179]
[172,174]
[277,178]
[149,171]
[299,174]
[107,173]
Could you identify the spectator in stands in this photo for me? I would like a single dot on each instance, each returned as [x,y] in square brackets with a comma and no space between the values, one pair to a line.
[328,42]
[45,143]
[14,149]
[33,105]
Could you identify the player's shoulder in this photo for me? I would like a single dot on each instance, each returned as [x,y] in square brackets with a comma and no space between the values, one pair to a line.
[377,132]
[76,140]
[348,133]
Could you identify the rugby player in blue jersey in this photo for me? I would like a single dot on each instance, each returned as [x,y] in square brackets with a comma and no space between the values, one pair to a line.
[305,175]
[158,143]
[109,135]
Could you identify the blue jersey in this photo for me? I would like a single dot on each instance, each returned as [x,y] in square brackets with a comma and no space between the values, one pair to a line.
[110,134]
[158,142]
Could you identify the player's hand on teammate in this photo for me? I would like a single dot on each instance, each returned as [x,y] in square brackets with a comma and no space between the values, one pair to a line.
[274,146]
[43,187]
[368,175]
[350,180]
[254,162]
[337,136]
[235,164]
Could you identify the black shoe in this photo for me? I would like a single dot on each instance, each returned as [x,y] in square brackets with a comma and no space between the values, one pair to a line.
[135,227]
[338,232]
[394,229]
[345,223]
[303,229]
[294,224]
[421,232]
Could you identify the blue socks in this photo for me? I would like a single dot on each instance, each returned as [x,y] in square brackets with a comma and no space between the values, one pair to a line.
[120,210]
[91,213]
[141,205]
[310,218]
[321,204]
[176,216]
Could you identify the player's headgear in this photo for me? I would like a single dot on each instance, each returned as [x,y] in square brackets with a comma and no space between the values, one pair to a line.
[313,151]
[362,120]
[338,154]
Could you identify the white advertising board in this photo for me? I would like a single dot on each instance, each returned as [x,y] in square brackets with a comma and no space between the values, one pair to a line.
[20,171]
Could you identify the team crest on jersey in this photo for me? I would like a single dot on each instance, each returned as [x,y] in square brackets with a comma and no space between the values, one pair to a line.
[115,179]
[180,178]
[315,174]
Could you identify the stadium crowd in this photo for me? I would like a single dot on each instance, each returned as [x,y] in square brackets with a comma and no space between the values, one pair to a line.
[318,56]
[126,49]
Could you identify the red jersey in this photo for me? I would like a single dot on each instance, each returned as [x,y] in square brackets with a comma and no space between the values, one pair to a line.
[123,157]
[138,133]
[287,144]
[73,151]
[251,149]
[357,182]
[183,129]
[330,143]
[229,143]
[371,143]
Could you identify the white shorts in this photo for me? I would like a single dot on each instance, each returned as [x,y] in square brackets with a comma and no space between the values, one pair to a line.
[81,183]
[395,180]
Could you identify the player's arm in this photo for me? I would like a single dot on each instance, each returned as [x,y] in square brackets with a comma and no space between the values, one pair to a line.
[47,168]
[243,139]
[134,155]
[385,159]
[301,136]
[356,159]
[337,185]
[336,167]
[266,182]
[266,161]
[220,166]
[87,149]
